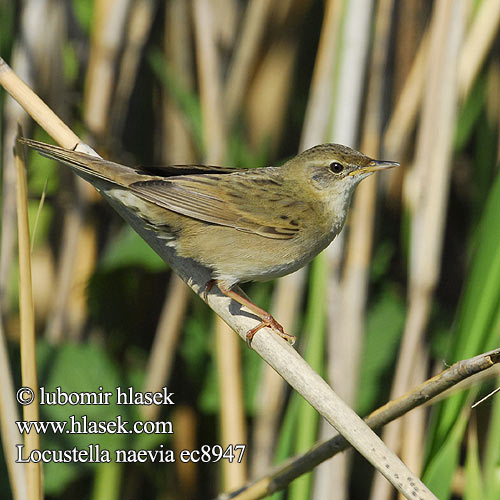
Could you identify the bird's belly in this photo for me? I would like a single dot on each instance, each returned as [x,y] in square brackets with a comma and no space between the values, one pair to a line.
[232,255]
[236,256]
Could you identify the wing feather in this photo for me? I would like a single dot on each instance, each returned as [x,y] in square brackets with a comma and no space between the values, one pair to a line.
[252,200]
[241,200]
[174,170]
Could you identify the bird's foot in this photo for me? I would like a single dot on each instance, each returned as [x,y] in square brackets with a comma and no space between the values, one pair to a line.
[269,321]
[266,319]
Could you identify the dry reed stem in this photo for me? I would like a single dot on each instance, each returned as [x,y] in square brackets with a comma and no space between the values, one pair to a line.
[472,381]
[165,342]
[354,285]
[271,89]
[430,392]
[355,275]
[289,288]
[109,22]
[318,112]
[414,423]
[405,113]
[8,430]
[68,308]
[84,265]
[476,45]
[8,409]
[184,421]
[434,149]
[177,145]
[334,254]
[42,263]
[177,47]
[232,412]
[75,267]
[480,38]
[13,116]
[284,359]
[245,54]
[27,329]
[48,58]
[359,241]
[271,83]
[431,173]
[315,130]
[269,409]
[232,418]
[158,371]
[72,224]
[271,393]
[136,34]
[227,13]
[39,111]
[8,229]
[353,45]
[214,130]
[347,104]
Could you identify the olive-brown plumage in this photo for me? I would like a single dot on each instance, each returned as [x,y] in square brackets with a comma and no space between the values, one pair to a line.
[242,224]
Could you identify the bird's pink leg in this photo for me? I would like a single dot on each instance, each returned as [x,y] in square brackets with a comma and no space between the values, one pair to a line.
[266,319]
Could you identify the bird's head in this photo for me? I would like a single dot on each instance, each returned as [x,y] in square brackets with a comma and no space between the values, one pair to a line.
[335,167]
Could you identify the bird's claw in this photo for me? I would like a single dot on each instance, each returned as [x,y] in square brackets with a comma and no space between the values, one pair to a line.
[270,322]
[210,284]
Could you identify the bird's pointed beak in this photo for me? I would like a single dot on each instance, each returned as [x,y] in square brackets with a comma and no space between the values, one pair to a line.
[375,165]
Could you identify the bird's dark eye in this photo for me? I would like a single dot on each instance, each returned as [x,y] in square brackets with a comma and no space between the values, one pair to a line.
[336,167]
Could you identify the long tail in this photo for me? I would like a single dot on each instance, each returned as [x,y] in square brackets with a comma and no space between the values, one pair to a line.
[85,165]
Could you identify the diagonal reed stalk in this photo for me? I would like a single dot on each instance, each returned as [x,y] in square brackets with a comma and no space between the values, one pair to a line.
[457,377]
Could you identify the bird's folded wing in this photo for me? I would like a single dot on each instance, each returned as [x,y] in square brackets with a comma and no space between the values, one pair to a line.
[242,201]
[176,170]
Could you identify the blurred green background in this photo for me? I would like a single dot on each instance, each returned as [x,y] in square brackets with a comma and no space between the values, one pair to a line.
[251,83]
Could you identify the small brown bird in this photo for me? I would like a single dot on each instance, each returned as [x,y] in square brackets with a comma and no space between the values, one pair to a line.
[242,224]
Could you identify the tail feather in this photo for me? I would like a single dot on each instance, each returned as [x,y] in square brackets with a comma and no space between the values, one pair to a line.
[85,165]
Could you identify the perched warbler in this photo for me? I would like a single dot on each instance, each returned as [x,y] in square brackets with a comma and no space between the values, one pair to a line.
[242,224]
